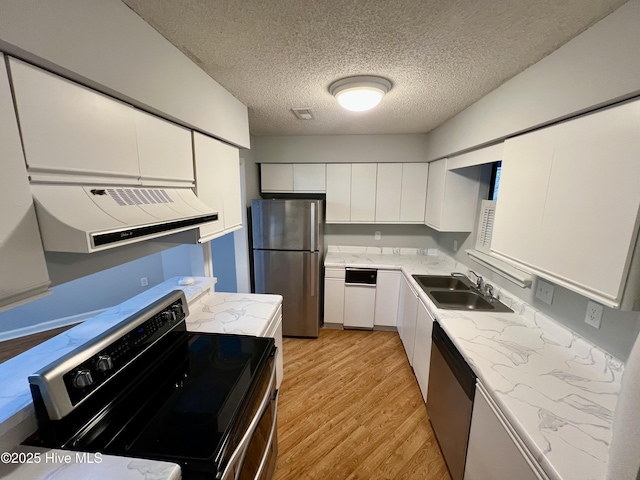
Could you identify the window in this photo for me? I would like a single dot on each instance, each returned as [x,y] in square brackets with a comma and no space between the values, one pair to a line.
[496,168]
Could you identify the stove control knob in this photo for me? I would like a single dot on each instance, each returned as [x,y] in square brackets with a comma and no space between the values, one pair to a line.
[104,363]
[167,316]
[177,309]
[82,379]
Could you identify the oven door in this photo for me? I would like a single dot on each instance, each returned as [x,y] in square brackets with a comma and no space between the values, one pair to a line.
[255,455]
[260,456]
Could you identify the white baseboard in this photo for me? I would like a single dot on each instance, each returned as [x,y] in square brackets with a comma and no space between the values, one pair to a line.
[50,325]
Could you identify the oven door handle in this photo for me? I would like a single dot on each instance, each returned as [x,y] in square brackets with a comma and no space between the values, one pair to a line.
[242,446]
[265,457]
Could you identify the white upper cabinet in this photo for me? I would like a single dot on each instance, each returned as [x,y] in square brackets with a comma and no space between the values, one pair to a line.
[293,178]
[309,177]
[388,192]
[22,263]
[276,177]
[67,128]
[452,197]
[164,151]
[414,192]
[363,192]
[569,202]
[217,167]
[338,207]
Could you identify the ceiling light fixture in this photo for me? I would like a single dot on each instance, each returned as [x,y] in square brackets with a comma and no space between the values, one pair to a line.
[360,93]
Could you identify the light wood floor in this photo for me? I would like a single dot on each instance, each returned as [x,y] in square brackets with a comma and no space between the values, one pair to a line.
[350,407]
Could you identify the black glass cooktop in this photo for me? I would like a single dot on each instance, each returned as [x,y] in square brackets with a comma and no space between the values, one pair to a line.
[192,406]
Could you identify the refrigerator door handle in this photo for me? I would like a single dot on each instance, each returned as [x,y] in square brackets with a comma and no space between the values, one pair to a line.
[313,226]
[313,275]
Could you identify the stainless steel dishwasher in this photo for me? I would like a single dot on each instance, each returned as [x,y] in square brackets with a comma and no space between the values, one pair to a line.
[450,400]
[359,297]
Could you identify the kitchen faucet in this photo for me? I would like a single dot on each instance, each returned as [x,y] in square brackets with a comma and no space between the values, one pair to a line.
[479,281]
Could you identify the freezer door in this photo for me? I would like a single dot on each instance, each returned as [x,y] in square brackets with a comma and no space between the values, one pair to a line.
[295,276]
[286,224]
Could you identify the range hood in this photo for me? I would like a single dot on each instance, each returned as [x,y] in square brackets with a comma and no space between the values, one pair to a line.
[85,219]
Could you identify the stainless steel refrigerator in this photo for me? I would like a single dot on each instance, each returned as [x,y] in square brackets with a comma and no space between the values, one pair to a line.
[287,257]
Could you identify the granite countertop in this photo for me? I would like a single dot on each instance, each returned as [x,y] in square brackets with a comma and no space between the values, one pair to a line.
[17,416]
[558,391]
[34,463]
[237,313]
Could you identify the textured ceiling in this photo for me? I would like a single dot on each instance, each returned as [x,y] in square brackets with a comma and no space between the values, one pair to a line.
[440,55]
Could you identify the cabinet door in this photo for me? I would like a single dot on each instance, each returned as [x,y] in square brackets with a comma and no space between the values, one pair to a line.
[276,177]
[164,151]
[212,160]
[67,128]
[22,263]
[422,348]
[363,192]
[526,166]
[569,191]
[309,177]
[229,158]
[593,200]
[462,187]
[388,192]
[387,298]
[338,208]
[359,305]
[435,193]
[493,452]
[414,192]
[409,312]
[334,301]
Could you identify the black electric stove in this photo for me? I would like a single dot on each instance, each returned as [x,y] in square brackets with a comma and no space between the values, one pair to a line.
[148,388]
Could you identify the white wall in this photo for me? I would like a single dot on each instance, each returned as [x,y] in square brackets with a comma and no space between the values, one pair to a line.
[340,149]
[100,290]
[418,236]
[597,67]
[107,46]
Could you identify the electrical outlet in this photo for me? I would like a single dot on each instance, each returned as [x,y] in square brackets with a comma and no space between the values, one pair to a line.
[544,291]
[377,235]
[455,245]
[594,314]
[144,282]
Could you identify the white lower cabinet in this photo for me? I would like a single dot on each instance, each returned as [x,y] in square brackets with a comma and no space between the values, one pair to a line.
[334,296]
[422,348]
[275,331]
[407,318]
[494,451]
[359,305]
[387,298]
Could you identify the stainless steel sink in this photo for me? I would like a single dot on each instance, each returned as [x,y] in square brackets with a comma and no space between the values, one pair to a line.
[452,300]
[445,282]
[457,293]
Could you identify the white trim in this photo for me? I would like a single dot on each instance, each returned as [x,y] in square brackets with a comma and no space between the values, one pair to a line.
[208,259]
[519,277]
[481,156]
[50,325]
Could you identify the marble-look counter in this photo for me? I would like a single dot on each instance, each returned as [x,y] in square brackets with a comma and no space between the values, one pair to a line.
[17,416]
[557,390]
[63,464]
[237,313]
